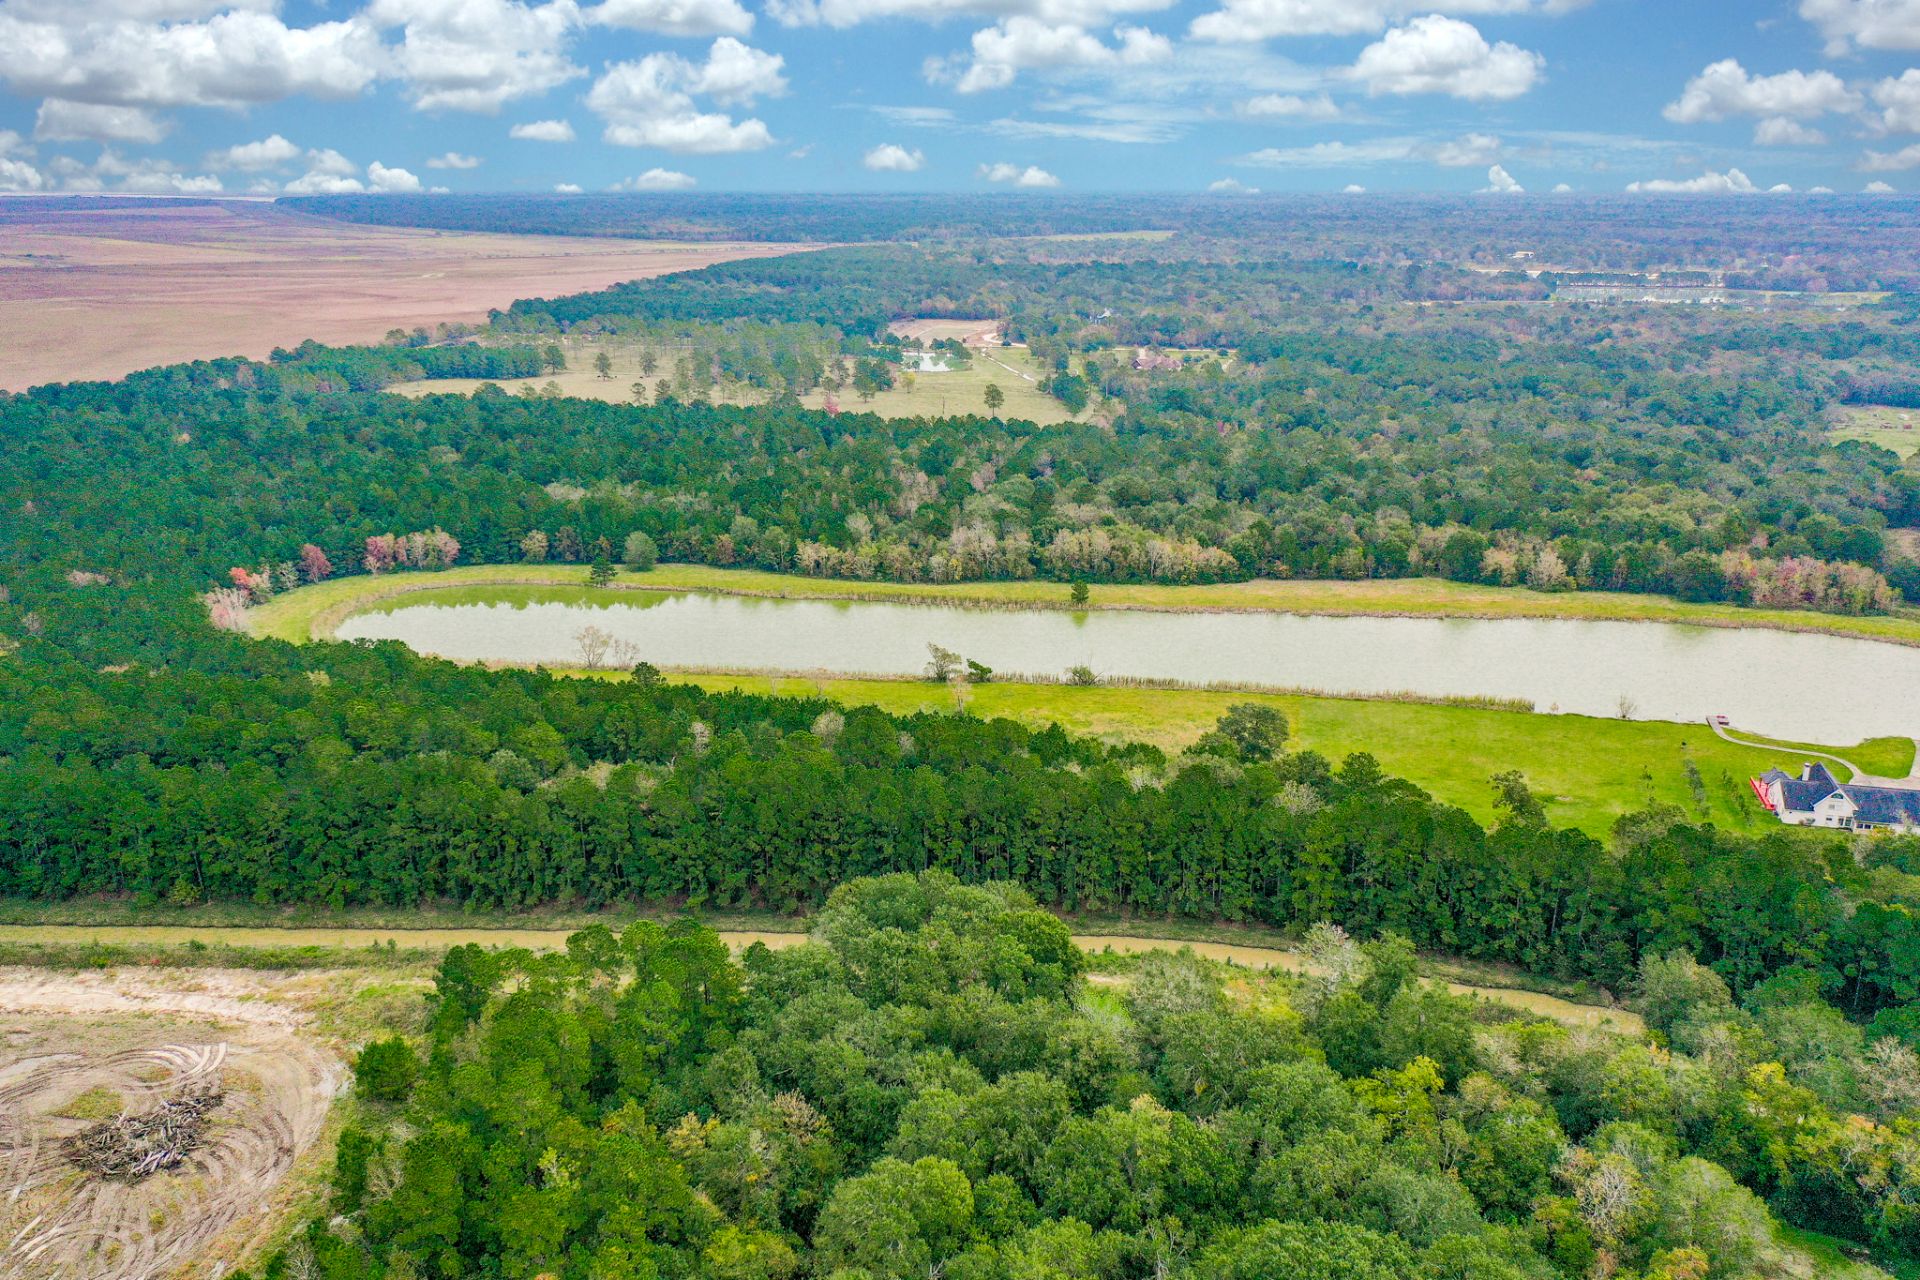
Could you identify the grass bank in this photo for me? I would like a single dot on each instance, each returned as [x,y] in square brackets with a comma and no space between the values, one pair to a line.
[1588,770]
[313,612]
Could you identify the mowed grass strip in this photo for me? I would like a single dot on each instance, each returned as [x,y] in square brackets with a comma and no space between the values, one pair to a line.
[1588,771]
[312,612]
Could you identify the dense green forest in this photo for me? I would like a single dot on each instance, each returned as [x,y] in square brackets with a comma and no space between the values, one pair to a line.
[1819,243]
[932,1087]
[1335,456]
[149,755]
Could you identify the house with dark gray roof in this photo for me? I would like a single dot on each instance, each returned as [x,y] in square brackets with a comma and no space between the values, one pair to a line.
[1817,799]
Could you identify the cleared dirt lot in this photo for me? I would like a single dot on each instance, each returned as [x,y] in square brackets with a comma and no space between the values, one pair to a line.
[75,1048]
[100,291]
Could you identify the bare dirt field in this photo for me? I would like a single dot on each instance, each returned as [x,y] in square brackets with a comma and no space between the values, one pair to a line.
[101,291]
[78,1048]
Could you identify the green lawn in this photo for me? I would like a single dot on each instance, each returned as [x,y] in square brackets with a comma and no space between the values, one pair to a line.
[1894,429]
[1589,771]
[929,395]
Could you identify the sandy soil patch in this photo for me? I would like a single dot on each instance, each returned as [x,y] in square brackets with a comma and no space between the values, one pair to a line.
[69,1041]
[102,291]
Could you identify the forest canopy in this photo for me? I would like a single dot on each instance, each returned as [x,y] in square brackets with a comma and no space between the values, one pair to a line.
[932,1086]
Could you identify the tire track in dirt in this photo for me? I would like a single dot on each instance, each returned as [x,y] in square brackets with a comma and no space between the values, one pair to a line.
[207,1027]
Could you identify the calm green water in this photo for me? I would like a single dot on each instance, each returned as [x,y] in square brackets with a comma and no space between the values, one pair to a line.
[1805,687]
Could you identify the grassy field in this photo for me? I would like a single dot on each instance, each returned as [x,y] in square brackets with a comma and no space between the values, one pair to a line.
[1588,770]
[345,943]
[929,394]
[1895,429]
[314,611]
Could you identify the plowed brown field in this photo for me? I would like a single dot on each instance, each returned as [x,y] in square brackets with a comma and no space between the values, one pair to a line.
[101,291]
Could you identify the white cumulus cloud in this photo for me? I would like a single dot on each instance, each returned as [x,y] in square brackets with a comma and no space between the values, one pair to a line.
[1030,176]
[454,160]
[1725,89]
[1873,24]
[1731,183]
[1877,189]
[1291,106]
[847,13]
[543,131]
[1892,161]
[63,121]
[1899,102]
[1243,20]
[658,180]
[1501,183]
[381,178]
[1231,187]
[477,55]
[567,189]
[1437,54]
[231,59]
[1779,131]
[270,152]
[1468,152]
[651,102]
[17,176]
[890,157]
[333,174]
[675,17]
[1020,43]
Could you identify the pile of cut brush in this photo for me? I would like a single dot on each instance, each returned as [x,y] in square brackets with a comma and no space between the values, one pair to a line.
[130,1147]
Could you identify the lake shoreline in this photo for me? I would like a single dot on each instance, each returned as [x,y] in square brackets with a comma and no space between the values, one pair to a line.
[1591,667]
[282,619]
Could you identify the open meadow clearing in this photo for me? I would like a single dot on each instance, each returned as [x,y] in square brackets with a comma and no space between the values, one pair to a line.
[1889,427]
[100,289]
[918,395]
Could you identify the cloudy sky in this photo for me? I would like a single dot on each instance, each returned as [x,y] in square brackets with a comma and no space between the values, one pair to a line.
[275,96]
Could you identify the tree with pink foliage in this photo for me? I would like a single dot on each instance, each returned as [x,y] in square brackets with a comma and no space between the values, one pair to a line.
[314,565]
[255,584]
[227,607]
[421,549]
[383,553]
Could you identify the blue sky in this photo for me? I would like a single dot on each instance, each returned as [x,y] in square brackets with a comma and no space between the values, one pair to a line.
[1597,96]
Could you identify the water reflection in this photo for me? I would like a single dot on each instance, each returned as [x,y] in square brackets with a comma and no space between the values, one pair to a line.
[1810,687]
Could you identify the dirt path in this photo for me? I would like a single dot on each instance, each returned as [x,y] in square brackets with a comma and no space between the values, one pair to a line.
[1854,771]
[1567,1011]
[133,1039]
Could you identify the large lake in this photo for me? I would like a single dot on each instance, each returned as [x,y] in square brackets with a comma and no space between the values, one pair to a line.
[1809,688]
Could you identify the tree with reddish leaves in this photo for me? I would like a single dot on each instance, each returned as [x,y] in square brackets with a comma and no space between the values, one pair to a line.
[314,565]
[383,552]
[258,584]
